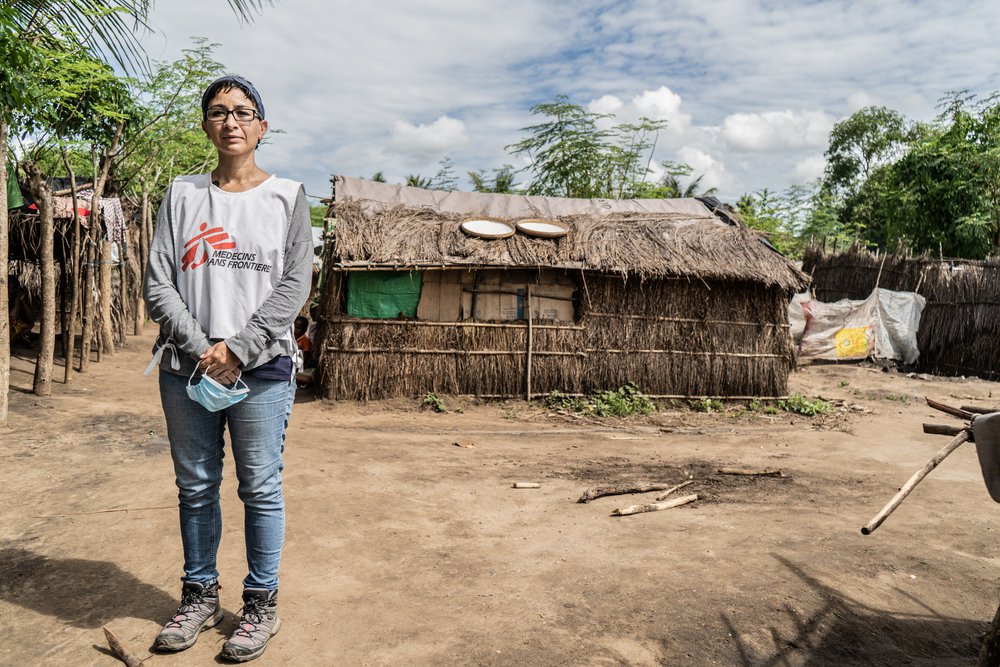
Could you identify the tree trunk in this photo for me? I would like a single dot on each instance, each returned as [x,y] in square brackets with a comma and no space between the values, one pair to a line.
[87,300]
[46,347]
[106,338]
[4,306]
[140,306]
[73,266]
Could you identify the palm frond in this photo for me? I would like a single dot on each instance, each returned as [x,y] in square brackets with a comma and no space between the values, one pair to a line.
[247,9]
[110,30]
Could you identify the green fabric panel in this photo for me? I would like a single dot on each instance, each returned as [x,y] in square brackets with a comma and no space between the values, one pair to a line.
[14,199]
[383,294]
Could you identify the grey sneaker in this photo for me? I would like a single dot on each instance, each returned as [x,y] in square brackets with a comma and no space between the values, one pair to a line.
[199,610]
[258,623]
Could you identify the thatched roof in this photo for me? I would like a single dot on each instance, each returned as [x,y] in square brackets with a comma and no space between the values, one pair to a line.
[381,225]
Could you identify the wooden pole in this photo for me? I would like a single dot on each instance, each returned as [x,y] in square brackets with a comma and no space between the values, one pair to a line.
[905,490]
[527,370]
[942,429]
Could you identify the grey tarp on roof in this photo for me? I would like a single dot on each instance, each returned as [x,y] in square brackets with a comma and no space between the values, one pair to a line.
[511,207]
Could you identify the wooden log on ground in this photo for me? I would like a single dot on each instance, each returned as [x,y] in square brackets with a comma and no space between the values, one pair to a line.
[751,472]
[656,507]
[619,490]
[953,411]
[119,650]
[942,429]
[905,490]
[979,409]
[526,485]
[663,496]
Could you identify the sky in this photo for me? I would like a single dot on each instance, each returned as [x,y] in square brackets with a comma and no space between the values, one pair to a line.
[750,89]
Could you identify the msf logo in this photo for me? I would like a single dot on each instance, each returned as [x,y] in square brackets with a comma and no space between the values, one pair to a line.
[196,252]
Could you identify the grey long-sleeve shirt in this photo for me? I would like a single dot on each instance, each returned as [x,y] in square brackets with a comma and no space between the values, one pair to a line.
[265,334]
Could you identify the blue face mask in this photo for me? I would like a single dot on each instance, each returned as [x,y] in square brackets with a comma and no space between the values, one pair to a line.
[213,396]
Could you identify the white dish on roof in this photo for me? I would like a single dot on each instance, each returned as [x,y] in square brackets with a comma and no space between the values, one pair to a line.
[487,228]
[540,227]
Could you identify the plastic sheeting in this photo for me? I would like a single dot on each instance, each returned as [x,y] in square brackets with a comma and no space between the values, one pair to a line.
[883,326]
[383,294]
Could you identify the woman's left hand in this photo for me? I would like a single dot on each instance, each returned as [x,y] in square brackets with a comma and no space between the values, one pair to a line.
[220,364]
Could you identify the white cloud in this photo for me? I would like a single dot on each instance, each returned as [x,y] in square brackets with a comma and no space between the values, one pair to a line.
[810,168]
[777,130]
[712,171]
[753,84]
[662,104]
[444,135]
[605,104]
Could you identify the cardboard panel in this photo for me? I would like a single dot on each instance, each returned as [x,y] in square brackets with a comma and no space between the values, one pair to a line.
[502,295]
[441,296]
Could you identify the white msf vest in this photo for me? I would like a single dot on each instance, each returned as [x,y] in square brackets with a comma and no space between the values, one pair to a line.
[229,248]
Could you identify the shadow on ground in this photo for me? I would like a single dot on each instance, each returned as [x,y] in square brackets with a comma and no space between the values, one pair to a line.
[847,632]
[82,593]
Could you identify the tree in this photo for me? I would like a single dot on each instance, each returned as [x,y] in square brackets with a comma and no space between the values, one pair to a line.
[500,181]
[102,27]
[418,181]
[79,97]
[572,156]
[942,195]
[670,185]
[866,140]
[17,92]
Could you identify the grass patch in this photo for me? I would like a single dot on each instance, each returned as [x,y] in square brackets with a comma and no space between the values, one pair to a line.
[622,402]
[707,405]
[799,404]
[434,402]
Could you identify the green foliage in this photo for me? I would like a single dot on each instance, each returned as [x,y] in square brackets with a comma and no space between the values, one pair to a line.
[20,58]
[167,140]
[79,97]
[706,405]
[622,402]
[801,405]
[434,402]
[572,155]
[866,140]
[418,181]
[500,181]
[106,31]
[928,187]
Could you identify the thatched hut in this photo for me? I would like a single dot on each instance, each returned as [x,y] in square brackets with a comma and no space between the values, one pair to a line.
[660,293]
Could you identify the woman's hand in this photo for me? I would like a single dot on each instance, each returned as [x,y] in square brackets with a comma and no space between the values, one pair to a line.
[220,364]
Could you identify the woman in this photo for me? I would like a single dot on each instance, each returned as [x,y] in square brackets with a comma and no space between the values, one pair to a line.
[229,269]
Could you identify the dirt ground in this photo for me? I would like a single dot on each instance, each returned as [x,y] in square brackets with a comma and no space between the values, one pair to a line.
[404,549]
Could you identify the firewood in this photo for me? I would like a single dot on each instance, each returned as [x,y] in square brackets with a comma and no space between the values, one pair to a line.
[119,650]
[526,485]
[942,429]
[663,496]
[656,507]
[751,472]
[953,411]
[619,490]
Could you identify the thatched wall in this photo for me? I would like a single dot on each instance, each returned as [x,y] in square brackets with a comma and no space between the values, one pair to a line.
[670,337]
[960,325]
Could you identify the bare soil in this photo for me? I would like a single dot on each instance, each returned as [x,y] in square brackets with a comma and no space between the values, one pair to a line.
[405,549]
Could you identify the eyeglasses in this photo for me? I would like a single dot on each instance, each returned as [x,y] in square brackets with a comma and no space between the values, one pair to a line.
[242,116]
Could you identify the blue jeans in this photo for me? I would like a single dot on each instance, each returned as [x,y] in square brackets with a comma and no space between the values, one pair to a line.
[257,434]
